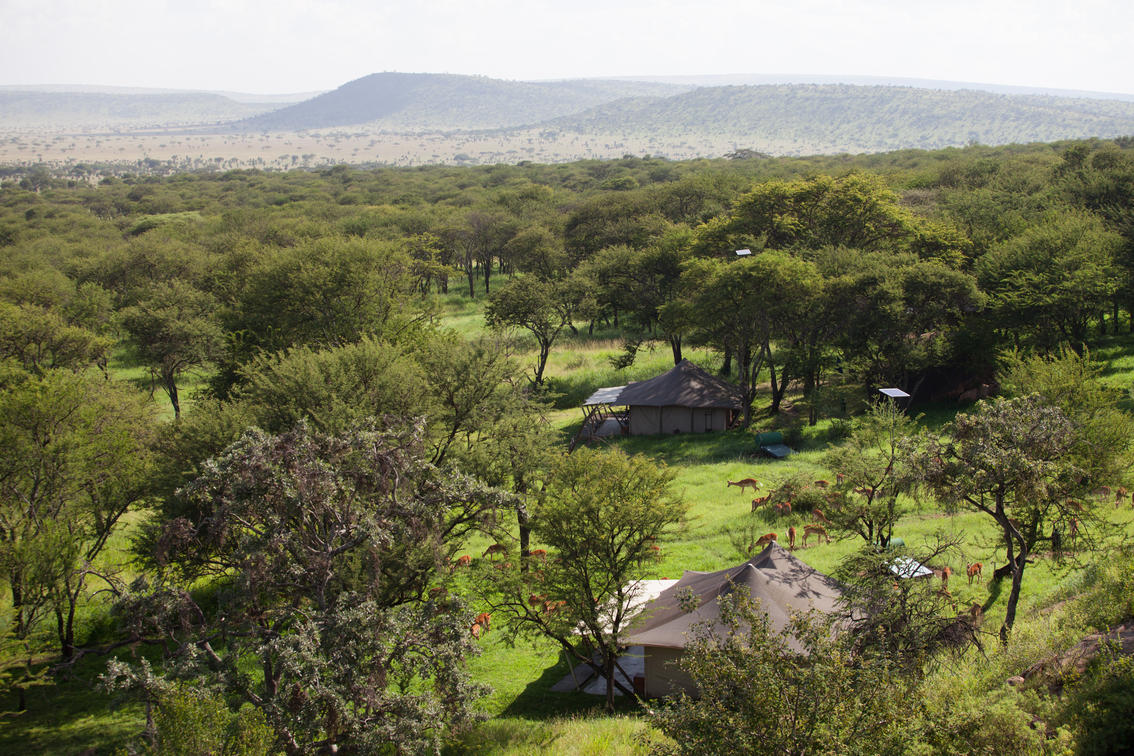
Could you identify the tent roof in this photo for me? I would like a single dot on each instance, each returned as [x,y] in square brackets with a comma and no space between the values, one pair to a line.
[782,583]
[685,385]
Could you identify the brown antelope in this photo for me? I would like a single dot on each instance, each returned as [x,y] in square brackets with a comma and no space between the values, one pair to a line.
[784,508]
[536,600]
[438,592]
[1073,528]
[818,515]
[464,561]
[742,484]
[946,573]
[484,619]
[476,630]
[839,478]
[1103,492]
[538,554]
[761,542]
[821,484]
[496,548]
[974,571]
[550,607]
[817,530]
[1119,497]
[757,503]
[791,538]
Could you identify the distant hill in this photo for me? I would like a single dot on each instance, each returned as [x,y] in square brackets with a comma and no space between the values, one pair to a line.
[90,111]
[815,118]
[407,101]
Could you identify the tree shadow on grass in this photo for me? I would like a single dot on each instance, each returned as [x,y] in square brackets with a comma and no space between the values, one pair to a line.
[539,701]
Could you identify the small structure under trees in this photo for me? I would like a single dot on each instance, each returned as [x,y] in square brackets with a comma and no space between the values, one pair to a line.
[684,399]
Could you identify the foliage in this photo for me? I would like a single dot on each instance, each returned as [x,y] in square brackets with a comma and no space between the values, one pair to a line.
[601,516]
[539,307]
[172,329]
[1010,461]
[873,469]
[322,547]
[797,691]
[74,459]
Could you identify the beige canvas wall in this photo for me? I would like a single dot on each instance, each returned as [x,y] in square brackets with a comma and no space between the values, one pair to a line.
[650,420]
[663,676]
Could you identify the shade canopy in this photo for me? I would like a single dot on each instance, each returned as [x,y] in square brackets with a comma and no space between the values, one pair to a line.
[783,584]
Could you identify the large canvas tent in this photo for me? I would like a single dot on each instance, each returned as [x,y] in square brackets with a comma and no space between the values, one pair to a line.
[685,399]
[782,583]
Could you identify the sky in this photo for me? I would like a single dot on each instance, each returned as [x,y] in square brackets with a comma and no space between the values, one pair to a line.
[287,46]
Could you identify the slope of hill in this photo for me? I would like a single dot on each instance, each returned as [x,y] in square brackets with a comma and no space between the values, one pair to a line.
[812,118]
[87,111]
[406,101]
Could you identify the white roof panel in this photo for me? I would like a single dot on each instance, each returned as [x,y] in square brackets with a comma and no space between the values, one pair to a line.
[608,395]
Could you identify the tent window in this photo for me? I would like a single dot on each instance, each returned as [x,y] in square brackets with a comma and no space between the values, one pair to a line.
[708,421]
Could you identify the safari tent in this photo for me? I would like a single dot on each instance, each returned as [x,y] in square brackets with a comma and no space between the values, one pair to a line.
[782,583]
[685,399]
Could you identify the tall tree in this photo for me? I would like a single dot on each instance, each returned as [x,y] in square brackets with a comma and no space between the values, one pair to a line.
[601,516]
[173,330]
[542,308]
[1010,460]
[325,546]
[74,459]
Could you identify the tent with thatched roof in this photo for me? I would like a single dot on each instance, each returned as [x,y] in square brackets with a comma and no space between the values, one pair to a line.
[782,583]
[685,399]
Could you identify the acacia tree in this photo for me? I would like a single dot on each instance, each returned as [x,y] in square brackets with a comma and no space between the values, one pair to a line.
[173,331]
[322,548]
[542,308]
[74,457]
[1010,460]
[600,516]
[874,467]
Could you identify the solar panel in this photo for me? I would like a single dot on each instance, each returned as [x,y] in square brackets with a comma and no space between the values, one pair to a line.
[894,393]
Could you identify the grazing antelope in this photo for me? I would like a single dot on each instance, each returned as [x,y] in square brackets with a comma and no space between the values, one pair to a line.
[791,538]
[817,530]
[818,515]
[1119,497]
[1076,505]
[437,592]
[538,554]
[821,484]
[502,566]
[464,561]
[757,503]
[761,542]
[496,548]
[1103,492]
[484,619]
[476,630]
[742,484]
[976,614]
[975,571]
[784,508]
[946,573]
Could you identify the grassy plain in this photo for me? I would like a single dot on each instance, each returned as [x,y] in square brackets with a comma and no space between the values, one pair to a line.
[523,715]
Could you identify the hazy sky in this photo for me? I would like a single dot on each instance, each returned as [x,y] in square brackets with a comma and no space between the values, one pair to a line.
[277,46]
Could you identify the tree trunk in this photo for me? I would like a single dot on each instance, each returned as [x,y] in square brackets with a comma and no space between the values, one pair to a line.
[169,383]
[675,345]
[726,363]
[1013,596]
